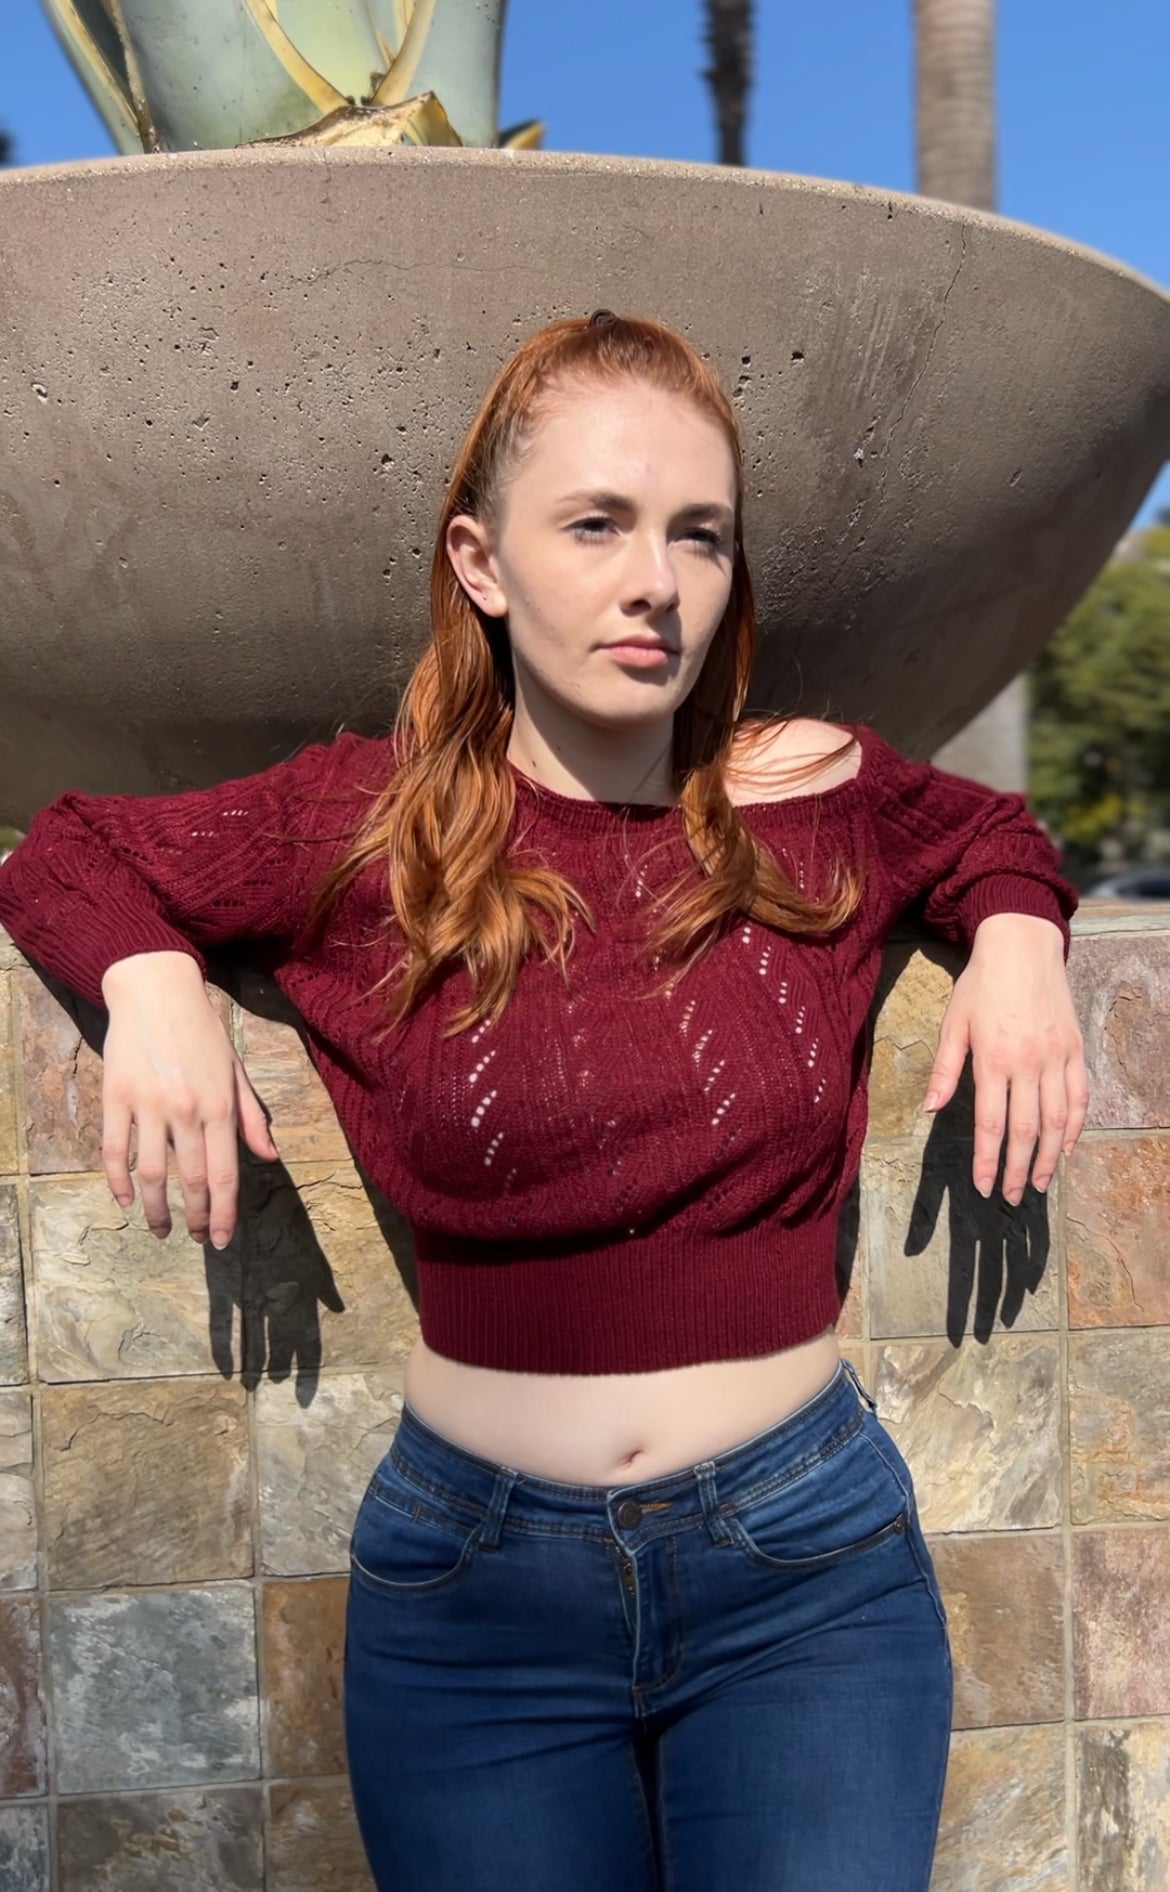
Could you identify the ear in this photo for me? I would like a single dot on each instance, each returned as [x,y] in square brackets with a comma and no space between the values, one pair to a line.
[469,549]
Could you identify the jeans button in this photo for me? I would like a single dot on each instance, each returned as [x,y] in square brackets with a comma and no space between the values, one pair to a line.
[629,1513]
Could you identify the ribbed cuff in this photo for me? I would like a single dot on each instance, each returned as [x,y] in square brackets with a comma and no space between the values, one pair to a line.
[1011,893]
[147,935]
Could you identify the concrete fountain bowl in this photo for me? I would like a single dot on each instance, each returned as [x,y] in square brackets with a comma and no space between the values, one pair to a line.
[233,383]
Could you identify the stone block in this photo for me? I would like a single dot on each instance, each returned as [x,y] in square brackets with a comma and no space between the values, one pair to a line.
[315,1463]
[945,1260]
[24,1848]
[112,1301]
[1123,1806]
[9,1136]
[313,1840]
[913,992]
[18,1510]
[1121,1626]
[154,1689]
[1117,1210]
[303,1120]
[979,1427]
[13,1340]
[62,1081]
[303,1630]
[22,1716]
[1004,1598]
[201,1840]
[1120,983]
[1003,1817]
[146,1482]
[10,955]
[1119,1408]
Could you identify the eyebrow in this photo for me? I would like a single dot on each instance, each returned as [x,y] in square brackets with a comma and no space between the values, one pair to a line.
[619,502]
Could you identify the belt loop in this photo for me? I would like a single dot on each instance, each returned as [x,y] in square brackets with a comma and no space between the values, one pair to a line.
[852,1372]
[493,1522]
[720,1530]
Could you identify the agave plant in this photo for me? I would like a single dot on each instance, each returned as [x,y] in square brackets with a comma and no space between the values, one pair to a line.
[188,75]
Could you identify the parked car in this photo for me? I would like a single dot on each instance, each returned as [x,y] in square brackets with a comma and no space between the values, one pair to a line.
[1133,883]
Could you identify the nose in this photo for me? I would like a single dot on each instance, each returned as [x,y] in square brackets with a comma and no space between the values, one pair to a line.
[651,578]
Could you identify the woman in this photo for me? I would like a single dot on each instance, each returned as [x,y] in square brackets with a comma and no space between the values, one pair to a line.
[639,1596]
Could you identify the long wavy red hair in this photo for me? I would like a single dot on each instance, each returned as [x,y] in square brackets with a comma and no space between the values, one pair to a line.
[441,825]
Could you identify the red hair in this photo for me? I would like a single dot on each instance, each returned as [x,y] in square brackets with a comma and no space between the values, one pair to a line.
[440,825]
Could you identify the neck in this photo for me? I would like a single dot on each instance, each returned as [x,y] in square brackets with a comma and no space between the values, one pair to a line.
[592,763]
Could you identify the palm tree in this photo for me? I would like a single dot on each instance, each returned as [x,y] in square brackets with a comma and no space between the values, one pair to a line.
[955,58]
[729,38]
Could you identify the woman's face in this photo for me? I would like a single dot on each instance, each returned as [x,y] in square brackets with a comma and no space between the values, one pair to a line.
[612,553]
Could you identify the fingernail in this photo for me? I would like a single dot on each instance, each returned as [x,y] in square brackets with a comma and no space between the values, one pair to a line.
[984,1189]
[931,1100]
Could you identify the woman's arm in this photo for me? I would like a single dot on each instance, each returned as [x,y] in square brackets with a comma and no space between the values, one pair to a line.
[100,878]
[956,851]
[984,875]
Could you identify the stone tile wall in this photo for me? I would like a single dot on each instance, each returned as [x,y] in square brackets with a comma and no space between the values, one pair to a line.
[185,1437]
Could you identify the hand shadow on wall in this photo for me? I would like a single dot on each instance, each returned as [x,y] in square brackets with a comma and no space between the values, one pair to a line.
[283,1277]
[996,1254]
[274,1270]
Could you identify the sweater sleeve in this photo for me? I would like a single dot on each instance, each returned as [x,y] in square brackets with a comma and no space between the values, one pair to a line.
[957,851]
[99,877]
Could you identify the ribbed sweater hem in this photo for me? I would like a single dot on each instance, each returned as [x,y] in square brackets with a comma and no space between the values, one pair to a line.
[641,1305]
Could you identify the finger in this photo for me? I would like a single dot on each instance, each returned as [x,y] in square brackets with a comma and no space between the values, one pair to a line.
[152,1175]
[223,1169]
[1023,1130]
[990,1119]
[116,1152]
[191,1157]
[1076,1084]
[253,1123]
[1053,1122]
[945,1072]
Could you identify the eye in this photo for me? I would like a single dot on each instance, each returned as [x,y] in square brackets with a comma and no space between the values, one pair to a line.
[581,528]
[711,542]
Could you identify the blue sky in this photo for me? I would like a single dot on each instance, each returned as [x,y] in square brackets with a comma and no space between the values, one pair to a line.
[1083,93]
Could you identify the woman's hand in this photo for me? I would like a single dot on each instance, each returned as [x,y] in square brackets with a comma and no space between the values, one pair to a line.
[169,1067]
[1011,1007]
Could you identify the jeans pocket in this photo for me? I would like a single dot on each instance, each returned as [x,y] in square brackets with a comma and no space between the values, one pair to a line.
[845,1503]
[408,1537]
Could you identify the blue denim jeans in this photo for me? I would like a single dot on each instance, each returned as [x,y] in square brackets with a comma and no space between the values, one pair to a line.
[735,1678]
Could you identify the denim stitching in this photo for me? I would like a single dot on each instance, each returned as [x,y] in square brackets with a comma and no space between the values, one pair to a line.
[666,1858]
[648,1847]
[926,1572]
[809,1463]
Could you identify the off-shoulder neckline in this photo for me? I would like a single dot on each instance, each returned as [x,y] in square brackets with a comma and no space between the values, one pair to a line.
[583,811]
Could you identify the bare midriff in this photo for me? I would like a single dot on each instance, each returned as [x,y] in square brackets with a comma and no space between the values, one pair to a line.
[614,1428]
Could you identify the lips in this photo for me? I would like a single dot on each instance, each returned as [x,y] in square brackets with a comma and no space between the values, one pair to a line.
[642,643]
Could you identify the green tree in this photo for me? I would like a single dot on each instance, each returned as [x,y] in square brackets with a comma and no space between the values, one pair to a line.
[1099,743]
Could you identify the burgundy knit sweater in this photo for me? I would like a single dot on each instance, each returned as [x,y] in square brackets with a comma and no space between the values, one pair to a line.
[602,1182]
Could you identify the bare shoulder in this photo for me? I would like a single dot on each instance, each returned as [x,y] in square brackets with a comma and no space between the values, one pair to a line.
[770,763]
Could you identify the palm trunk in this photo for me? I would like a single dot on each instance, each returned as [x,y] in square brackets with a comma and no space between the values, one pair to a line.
[729,40]
[955,41]
[955,48]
